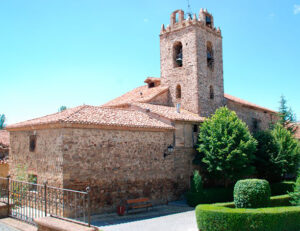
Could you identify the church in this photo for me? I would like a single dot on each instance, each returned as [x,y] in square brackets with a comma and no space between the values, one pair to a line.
[140,144]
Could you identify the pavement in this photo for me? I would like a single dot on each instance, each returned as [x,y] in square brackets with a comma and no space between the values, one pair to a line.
[176,216]
[4,227]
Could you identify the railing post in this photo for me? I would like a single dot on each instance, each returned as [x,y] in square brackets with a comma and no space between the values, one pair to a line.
[8,209]
[88,190]
[45,197]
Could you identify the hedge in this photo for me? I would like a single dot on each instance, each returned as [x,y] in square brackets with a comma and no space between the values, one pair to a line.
[252,193]
[222,217]
[282,187]
[215,195]
[210,195]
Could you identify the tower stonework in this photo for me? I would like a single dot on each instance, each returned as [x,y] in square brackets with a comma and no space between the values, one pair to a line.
[192,62]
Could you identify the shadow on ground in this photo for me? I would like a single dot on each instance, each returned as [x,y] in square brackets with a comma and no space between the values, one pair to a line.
[142,214]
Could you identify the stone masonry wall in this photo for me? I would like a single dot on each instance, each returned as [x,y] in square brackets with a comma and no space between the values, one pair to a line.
[121,165]
[248,114]
[45,162]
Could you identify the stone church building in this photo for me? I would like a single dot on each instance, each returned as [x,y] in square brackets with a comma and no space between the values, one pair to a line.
[141,143]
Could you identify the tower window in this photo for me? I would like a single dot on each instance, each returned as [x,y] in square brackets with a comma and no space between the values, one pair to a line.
[210,56]
[211,92]
[177,54]
[151,85]
[208,20]
[32,143]
[178,92]
[255,124]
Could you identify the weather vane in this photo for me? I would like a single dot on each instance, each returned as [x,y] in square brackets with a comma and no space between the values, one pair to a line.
[189,11]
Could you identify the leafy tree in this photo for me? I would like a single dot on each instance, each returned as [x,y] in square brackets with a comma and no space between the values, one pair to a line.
[62,108]
[2,121]
[266,156]
[225,147]
[288,156]
[287,117]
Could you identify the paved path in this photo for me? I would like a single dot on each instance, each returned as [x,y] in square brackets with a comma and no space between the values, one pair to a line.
[4,227]
[185,221]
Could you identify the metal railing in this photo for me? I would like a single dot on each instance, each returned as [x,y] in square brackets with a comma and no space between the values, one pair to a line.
[27,201]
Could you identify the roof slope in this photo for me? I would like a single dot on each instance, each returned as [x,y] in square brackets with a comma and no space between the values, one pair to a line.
[170,112]
[141,94]
[95,115]
[4,138]
[246,103]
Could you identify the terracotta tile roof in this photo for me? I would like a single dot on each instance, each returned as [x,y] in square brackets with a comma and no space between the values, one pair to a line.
[141,94]
[4,138]
[246,103]
[95,115]
[170,112]
[297,133]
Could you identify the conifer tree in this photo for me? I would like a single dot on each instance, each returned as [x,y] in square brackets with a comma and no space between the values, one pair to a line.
[286,115]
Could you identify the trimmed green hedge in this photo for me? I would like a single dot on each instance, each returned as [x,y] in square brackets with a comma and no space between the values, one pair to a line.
[210,195]
[252,193]
[282,187]
[222,217]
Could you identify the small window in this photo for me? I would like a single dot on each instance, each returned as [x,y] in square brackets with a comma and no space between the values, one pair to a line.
[210,56]
[32,143]
[151,85]
[178,92]
[208,21]
[211,92]
[255,124]
[195,128]
[177,54]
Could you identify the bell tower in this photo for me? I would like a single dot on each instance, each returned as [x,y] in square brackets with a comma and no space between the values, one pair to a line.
[192,62]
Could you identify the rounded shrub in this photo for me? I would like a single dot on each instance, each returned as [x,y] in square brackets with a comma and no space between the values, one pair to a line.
[252,193]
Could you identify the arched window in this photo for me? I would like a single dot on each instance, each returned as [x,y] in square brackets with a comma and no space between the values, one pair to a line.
[177,54]
[178,92]
[210,55]
[211,92]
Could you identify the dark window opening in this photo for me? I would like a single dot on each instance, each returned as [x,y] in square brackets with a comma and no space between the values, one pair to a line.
[255,124]
[150,85]
[196,128]
[208,21]
[178,92]
[211,92]
[178,54]
[32,143]
[210,55]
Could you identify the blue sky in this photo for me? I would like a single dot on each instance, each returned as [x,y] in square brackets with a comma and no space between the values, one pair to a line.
[70,52]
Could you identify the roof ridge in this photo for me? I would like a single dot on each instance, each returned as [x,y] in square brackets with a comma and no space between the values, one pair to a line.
[80,108]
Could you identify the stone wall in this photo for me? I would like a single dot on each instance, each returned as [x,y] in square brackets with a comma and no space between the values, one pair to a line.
[121,165]
[247,114]
[45,162]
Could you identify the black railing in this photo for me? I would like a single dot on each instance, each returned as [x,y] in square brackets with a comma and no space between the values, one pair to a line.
[27,201]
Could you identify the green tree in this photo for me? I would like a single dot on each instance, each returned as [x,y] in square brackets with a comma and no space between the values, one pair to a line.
[62,108]
[266,156]
[2,121]
[288,156]
[196,184]
[295,196]
[225,147]
[287,117]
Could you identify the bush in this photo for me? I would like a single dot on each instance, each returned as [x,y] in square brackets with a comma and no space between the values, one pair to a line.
[196,184]
[296,193]
[225,147]
[265,156]
[281,188]
[222,217]
[252,193]
[210,195]
[287,159]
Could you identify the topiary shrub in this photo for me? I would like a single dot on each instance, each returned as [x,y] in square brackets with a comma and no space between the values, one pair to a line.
[196,184]
[225,147]
[252,193]
[295,195]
